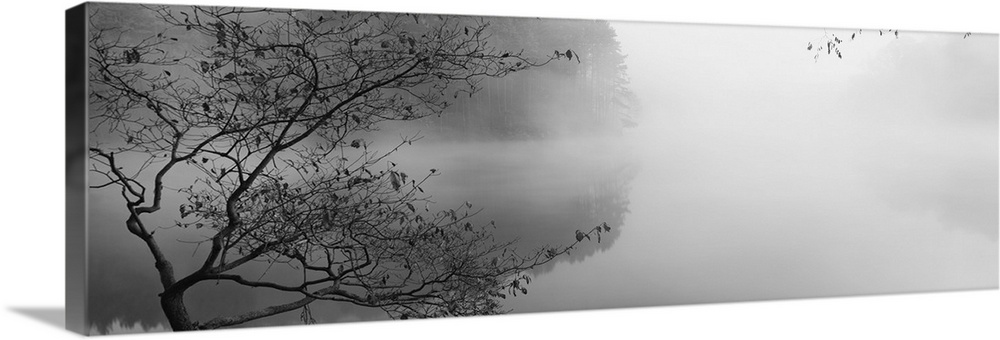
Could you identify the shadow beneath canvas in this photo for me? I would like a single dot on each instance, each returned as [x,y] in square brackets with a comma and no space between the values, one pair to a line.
[53,316]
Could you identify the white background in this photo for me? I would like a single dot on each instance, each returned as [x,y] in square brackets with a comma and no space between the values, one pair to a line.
[32,241]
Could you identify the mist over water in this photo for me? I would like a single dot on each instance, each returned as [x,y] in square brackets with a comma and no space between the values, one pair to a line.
[536,192]
[755,172]
[766,175]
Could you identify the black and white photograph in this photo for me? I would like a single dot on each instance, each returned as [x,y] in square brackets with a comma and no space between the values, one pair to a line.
[241,167]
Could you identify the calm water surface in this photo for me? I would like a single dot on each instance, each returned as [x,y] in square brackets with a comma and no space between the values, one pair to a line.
[746,219]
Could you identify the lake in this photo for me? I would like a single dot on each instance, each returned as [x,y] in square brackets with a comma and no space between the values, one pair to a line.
[751,176]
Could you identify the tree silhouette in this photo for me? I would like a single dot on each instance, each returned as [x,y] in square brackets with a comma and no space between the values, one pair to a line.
[265,107]
[588,95]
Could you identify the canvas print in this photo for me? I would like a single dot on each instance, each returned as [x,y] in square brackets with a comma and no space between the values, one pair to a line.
[246,167]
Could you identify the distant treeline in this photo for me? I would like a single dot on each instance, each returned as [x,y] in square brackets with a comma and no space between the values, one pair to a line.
[585,92]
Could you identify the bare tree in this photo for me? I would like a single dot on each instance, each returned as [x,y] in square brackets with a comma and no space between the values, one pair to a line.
[265,106]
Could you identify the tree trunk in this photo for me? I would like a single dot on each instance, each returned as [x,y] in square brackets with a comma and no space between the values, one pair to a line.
[173,307]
